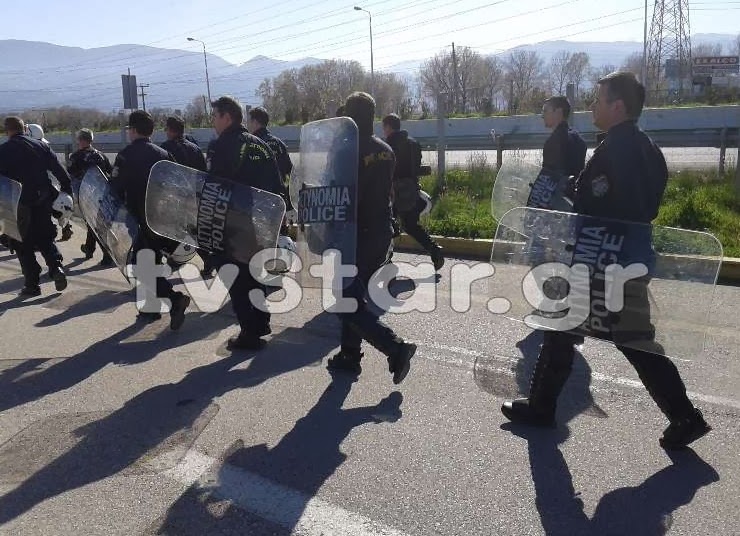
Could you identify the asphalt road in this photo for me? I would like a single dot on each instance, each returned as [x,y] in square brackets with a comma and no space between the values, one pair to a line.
[109,427]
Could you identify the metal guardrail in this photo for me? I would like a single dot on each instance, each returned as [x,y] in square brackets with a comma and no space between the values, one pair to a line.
[718,138]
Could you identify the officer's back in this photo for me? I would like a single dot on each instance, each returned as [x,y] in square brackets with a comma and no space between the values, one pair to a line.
[27,160]
[182,150]
[408,154]
[257,125]
[240,156]
[131,169]
[374,181]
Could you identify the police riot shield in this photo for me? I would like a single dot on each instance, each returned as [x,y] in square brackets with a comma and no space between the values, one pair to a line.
[323,189]
[105,213]
[10,195]
[522,184]
[216,215]
[637,285]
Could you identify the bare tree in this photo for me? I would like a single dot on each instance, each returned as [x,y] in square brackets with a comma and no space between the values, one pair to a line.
[436,74]
[706,49]
[633,63]
[523,69]
[578,69]
[195,112]
[558,71]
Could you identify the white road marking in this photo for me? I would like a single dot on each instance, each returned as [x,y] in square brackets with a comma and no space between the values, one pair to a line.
[303,514]
[596,376]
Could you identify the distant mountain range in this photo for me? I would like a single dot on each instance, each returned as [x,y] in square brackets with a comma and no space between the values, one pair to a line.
[42,75]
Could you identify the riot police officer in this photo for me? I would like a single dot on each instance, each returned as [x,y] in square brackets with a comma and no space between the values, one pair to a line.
[129,180]
[80,161]
[624,180]
[28,161]
[257,125]
[564,151]
[374,244]
[241,157]
[182,150]
[407,203]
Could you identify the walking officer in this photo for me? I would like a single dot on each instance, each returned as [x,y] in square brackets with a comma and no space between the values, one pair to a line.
[624,180]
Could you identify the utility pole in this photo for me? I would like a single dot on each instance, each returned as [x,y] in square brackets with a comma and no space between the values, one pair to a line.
[142,94]
[669,46]
[454,80]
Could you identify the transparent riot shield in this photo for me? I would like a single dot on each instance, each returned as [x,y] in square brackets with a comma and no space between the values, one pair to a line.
[522,184]
[105,213]
[637,285]
[216,215]
[323,189]
[10,195]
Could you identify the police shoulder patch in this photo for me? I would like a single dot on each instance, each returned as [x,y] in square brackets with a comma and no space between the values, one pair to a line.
[600,185]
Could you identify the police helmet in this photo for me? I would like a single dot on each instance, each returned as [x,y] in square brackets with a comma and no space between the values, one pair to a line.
[35,131]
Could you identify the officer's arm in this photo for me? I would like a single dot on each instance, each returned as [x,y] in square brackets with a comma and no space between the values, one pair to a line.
[4,159]
[118,177]
[628,184]
[284,162]
[200,161]
[58,171]
[105,164]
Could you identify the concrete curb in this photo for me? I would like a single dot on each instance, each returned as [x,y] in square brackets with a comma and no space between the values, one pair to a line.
[480,249]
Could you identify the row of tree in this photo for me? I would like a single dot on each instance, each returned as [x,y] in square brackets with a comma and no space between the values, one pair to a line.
[459,79]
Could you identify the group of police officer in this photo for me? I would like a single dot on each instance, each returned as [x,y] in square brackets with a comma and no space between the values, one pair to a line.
[625,179]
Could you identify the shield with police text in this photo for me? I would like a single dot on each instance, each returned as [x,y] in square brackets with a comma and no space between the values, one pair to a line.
[10,195]
[637,285]
[216,215]
[323,189]
[105,213]
[522,184]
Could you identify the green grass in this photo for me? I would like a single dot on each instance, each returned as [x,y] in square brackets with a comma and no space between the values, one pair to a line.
[698,201]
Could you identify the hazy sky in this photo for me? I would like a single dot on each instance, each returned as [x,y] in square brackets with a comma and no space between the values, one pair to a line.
[291,29]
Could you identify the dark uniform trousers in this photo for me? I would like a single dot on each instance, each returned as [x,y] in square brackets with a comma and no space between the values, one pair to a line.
[633,335]
[363,323]
[251,319]
[38,232]
[410,223]
[147,240]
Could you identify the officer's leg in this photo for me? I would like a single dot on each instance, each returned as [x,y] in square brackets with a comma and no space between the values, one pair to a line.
[410,224]
[350,352]
[551,371]
[30,268]
[253,323]
[660,377]
[163,288]
[363,324]
[44,233]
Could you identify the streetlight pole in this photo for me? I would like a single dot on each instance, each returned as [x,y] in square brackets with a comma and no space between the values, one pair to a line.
[372,70]
[205,59]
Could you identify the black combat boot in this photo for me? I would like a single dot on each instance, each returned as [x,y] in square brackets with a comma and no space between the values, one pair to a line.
[346,361]
[551,371]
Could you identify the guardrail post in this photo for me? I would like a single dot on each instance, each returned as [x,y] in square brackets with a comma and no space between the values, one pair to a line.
[499,150]
[737,167]
[441,141]
[722,150]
